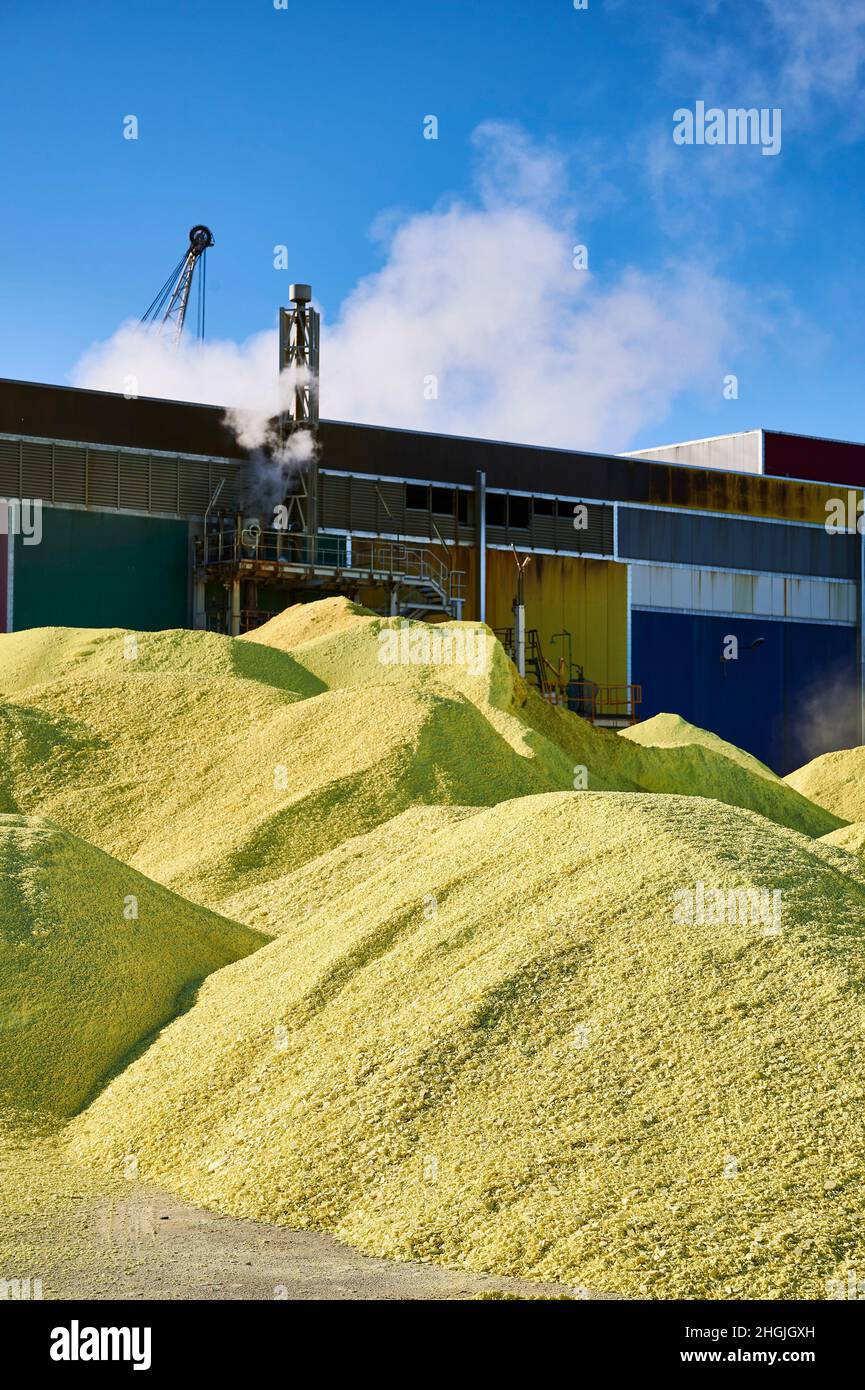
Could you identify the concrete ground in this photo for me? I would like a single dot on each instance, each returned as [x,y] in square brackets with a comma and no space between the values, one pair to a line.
[144,1245]
[86,1234]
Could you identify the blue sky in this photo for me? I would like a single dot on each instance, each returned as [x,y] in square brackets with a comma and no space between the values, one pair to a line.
[303,126]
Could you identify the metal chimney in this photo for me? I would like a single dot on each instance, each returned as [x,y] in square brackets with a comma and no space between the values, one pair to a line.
[299,334]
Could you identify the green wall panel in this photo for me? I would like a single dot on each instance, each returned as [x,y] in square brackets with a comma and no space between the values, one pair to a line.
[103,569]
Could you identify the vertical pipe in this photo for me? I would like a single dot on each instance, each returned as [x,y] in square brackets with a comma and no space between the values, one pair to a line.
[628,624]
[481,530]
[199,620]
[520,637]
[235,607]
[191,584]
[4,571]
[10,580]
[520,623]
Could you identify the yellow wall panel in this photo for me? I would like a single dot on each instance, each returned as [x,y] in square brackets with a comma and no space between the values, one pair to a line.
[588,598]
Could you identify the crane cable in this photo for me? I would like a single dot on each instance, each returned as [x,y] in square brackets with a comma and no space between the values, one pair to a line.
[159,302]
[202,293]
[173,297]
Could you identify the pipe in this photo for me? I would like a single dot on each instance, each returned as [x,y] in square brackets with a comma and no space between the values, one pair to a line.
[481,528]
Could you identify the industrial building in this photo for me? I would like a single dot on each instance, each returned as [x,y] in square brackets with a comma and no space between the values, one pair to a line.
[641,568]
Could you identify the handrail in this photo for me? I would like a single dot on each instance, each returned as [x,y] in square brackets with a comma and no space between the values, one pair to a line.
[607,701]
[397,558]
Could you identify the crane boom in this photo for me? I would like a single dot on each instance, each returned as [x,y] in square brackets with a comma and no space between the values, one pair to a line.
[168,309]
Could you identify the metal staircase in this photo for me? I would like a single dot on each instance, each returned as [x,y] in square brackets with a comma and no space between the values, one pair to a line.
[418,580]
[614,706]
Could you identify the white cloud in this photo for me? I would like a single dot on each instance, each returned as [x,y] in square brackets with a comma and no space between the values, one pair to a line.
[482,296]
[822,50]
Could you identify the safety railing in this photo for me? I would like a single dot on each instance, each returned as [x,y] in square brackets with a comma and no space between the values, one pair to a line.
[597,702]
[395,559]
[289,547]
[218,620]
[412,562]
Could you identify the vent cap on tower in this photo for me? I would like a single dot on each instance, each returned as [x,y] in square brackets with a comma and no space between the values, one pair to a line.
[300,294]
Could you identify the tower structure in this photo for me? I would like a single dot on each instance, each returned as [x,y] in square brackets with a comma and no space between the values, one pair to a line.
[299,337]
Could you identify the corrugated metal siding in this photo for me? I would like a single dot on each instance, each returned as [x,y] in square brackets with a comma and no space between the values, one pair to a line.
[587,598]
[792,698]
[709,541]
[735,452]
[107,478]
[710,591]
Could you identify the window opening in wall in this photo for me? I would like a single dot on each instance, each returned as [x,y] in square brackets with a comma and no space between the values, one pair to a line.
[443,501]
[544,506]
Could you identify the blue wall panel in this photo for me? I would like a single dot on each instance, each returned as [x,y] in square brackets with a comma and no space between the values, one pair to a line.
[692,539]
[794,696]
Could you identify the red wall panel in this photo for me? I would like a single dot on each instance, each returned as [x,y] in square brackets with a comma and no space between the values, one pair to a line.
[823,460]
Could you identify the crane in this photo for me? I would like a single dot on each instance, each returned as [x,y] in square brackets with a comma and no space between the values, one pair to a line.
[168,309]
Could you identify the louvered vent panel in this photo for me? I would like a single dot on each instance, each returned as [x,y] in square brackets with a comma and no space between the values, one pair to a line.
[595,539]
[391,508]
[36,470]
[134,481]
[70,471]
[101,478]
[230,494]
[194,486]
[364,505]
[335,502]
[417,522]
[9,477]
[163,484]
[544,532]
